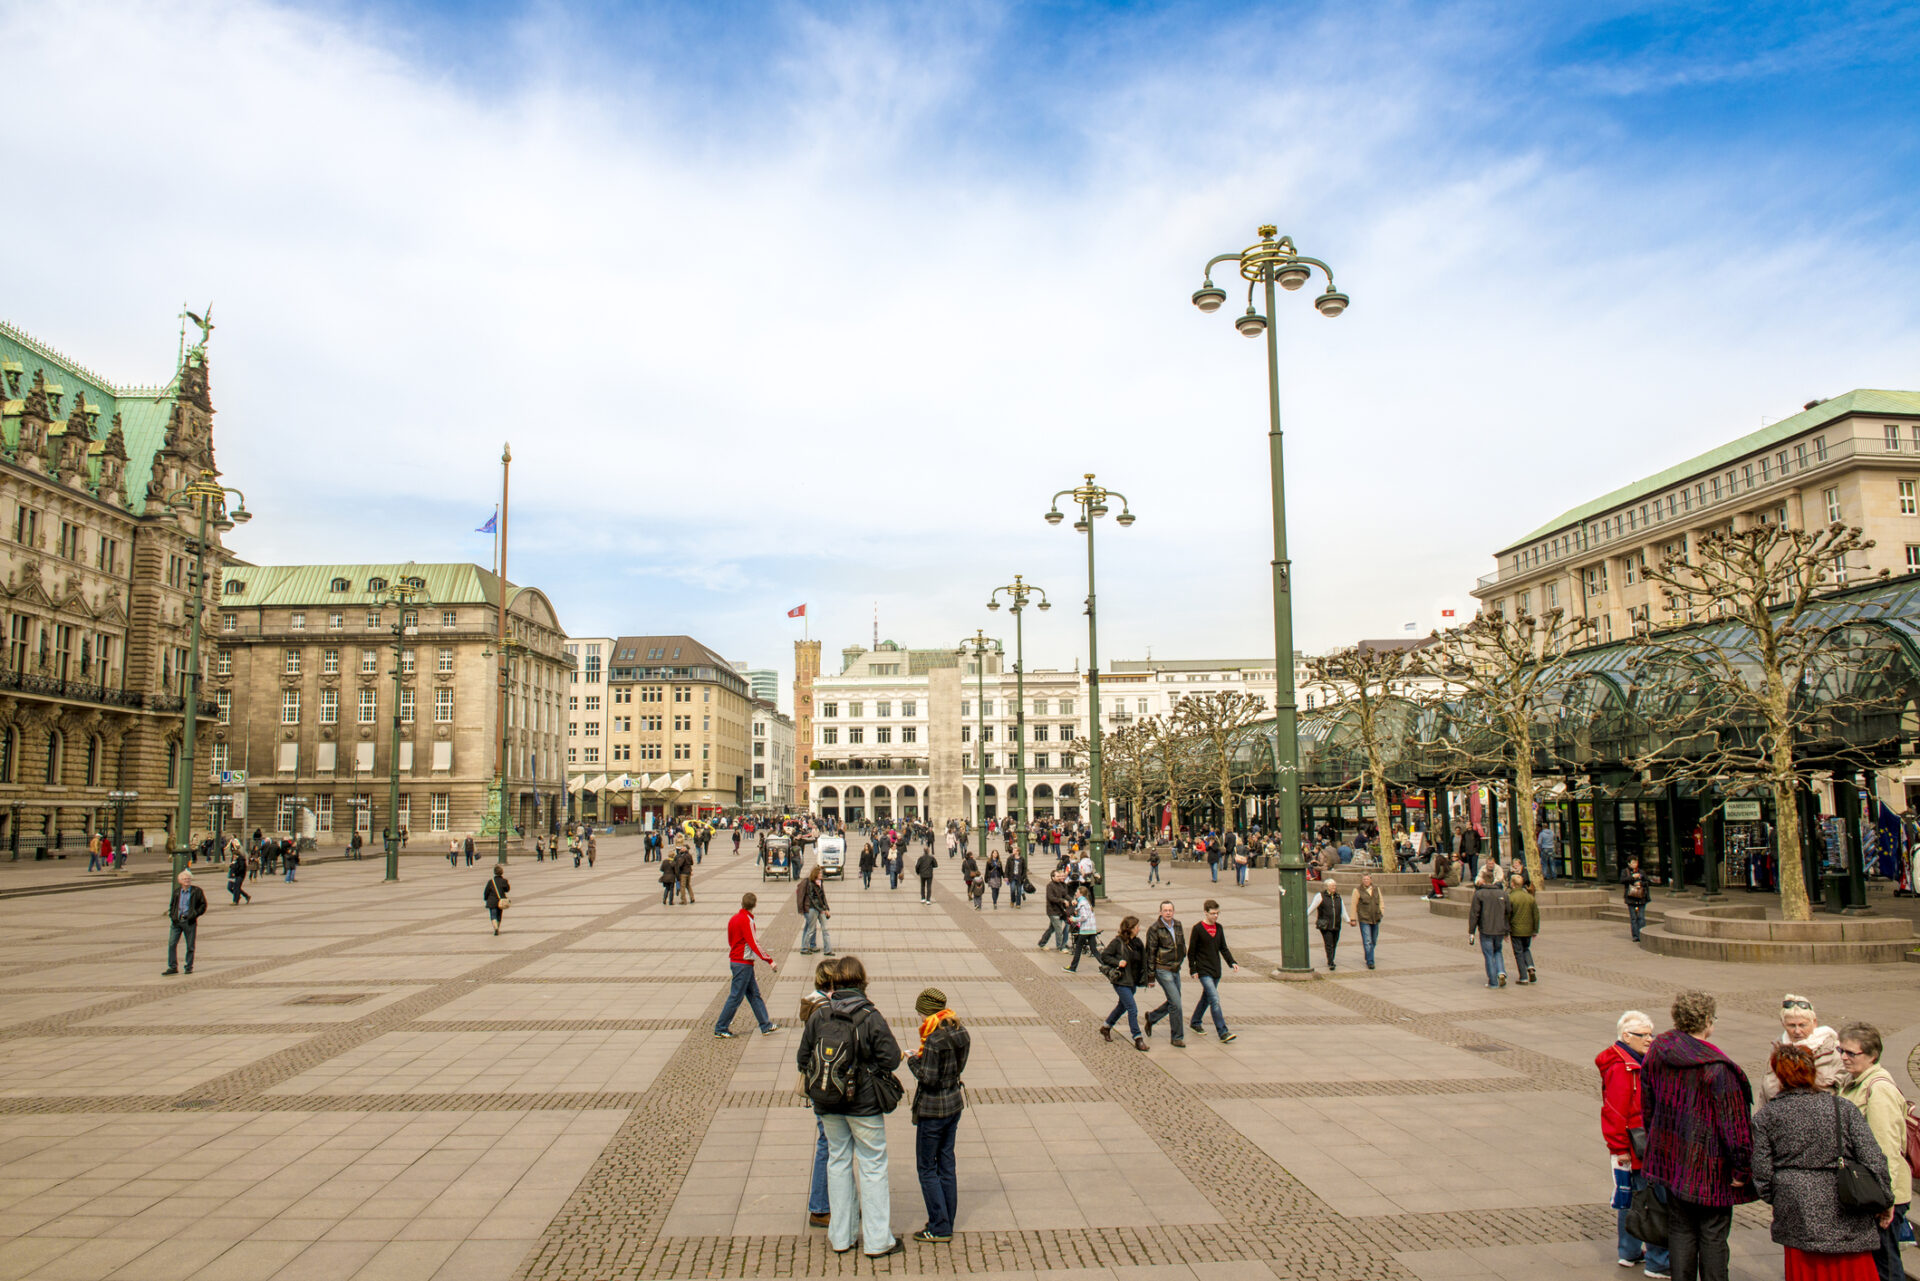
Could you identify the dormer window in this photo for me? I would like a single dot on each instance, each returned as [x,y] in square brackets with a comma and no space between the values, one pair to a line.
[234,586]
[342,585]
[376,584]
[416,582]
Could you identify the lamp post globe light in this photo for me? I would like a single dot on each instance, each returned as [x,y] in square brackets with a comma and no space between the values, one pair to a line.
[1093,503]
[1275,261]
[204,498]
[406,597]
[1019,591]
[978,648]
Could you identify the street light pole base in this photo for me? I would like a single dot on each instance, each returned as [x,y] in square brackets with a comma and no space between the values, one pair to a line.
[1294,976]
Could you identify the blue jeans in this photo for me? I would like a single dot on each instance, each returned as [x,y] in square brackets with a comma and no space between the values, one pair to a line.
[857,1181]
[1496,959]
[745,987]
[817,1194]
[1015,893]
[1153,873]
[1170,1008]
[1124,1005]
[933,1143]
[815,929]
[176,932]
[1369,937]
[893,876]
[1631,1247]
[1240,873]
[1213,866]
[1209,998]
[1636,916]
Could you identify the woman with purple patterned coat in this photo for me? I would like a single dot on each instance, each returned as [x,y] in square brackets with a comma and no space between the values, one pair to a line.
[1699,1139]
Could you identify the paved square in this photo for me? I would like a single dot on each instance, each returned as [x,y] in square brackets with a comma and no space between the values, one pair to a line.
[361,1081]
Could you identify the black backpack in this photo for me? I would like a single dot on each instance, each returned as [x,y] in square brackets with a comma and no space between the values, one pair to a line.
[833,1065]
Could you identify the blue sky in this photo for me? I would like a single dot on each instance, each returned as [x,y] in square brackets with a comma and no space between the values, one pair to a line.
[822,302]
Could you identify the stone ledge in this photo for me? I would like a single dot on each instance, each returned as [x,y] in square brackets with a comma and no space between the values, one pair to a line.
[1745,933]
[1555,905]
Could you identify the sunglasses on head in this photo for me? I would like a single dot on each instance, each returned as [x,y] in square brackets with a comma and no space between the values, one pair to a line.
[1796,1005]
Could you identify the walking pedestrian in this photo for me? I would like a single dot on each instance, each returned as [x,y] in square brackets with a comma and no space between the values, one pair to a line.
[1368,909]
[866,866]
[1123,963]
[1206,949]
[894,861]
[1699,1143]
[1327,910]
[1086,929]
[1625,1133]
[924,869]
[669,880]
[1549,843]
[1523,924]
[743,947]
[845,1051]
[289,858]
[1153,866]
[468,848]
[996,876]
[1470,852]
[1166,945]
[1016,873]
[495,896]
[1871,1088]
[237,878]
[184,909]
[813,935]
[453,853]
[1801,1139]
[1487,919]
[683,871]
[938,1101]
[1633,888]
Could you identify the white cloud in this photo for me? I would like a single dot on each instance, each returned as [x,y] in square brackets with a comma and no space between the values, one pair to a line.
[839,340]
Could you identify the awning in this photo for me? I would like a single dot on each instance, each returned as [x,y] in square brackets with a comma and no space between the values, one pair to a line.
[598,783]
[620,783]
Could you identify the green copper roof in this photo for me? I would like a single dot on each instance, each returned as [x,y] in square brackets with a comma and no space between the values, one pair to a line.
[1853,402]
[143,410]
[312,585]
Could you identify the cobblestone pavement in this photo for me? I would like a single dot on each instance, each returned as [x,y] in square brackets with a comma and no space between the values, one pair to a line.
[361,1081]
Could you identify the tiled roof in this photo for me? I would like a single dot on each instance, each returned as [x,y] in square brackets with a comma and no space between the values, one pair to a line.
[312,585]
[1853,402]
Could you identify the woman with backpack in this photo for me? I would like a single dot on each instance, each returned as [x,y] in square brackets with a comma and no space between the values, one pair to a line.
[1123,963]
[847,1058]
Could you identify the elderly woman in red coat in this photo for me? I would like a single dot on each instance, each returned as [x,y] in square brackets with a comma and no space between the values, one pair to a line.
[1621,1125]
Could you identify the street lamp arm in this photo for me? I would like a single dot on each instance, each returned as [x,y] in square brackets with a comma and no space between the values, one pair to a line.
[1216,260]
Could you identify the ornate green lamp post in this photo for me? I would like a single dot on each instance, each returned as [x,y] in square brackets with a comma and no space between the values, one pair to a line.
[206,499]
[1018,592]
[978,647]
[406,596]
[1093,505]
[1269,263]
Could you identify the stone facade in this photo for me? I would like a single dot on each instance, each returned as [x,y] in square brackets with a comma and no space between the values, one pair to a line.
[677,732]
[97,573]
[304,687]
[806,666]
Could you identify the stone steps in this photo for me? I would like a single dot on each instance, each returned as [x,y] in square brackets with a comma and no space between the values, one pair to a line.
[1555,905]
[1753,932]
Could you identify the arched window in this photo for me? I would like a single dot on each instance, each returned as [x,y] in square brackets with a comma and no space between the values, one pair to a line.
[9,741]
[234,586]
[54,745]
[342,585]
[173,762]
[376,584]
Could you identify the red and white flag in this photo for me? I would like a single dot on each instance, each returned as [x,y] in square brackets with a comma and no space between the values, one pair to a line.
[1446,613]
[798,611]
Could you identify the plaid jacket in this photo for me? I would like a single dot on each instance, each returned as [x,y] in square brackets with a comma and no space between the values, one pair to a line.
[1696,1107]
[938,1069]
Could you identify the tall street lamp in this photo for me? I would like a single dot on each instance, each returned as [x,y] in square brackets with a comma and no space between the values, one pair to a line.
[205,498]
[507,651]
[1018,592]
[1093,505]
[406,596]
[1264,265]
[978,647]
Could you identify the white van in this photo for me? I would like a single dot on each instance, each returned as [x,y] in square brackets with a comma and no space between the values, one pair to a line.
[831,854]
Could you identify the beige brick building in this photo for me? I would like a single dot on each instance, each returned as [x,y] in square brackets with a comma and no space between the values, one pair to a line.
[305,698]
[1854,458]
[677,733]
[97,577]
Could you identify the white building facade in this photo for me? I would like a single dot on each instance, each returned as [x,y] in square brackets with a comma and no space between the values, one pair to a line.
[771,784]
[586,712]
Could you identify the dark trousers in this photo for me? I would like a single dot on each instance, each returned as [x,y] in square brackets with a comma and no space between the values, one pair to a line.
[1522,953]
[1330,939]
[176,932]
[933,1144]
[1887,1257]
[1088,943]
[1697,1240]
[1636,916]
[926,887]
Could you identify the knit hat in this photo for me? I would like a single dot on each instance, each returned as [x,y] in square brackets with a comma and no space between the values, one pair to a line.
[931,1002]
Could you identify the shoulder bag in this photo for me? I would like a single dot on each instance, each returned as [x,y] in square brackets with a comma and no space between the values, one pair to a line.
[1646,1215]
[1859,1191]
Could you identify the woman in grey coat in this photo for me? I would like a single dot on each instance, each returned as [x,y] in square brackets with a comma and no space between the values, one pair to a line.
[1487,918]
[1798,1138]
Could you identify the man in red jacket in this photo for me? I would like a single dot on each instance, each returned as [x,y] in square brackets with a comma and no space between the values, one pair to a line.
[743,945]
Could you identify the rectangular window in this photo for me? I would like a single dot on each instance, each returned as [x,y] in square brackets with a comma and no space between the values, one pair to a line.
[336,620]
[986,706]
[1833,504]
[1748,475]
[329,706]
[369,661]
[443,706]
[883,709]
[406,707]
[1799,456]
[330,662]
[1840,569]
[909,734]
[1040,760]
[448,618]
[373,618]
[368,704]
[1039,733]
[445,659]
[229,622]
[1716,489]
[1066,733]
[910,708]
[442,808]
[683,751]
[290,707]
[856,735]
[1820,448]
[109,555]
[1553,595]
[884,734]
[853,709]
[293,662]
[224,700]
[222,663]
[593,702]
[830,736]
[1913,557]
[298,621]
[1907,507]
[829,709]
[1066,707]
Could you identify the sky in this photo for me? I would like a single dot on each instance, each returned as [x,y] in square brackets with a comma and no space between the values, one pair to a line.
[821,303]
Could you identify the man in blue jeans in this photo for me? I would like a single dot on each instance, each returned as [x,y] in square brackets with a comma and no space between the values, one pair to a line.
[1166,945]
[742,947]
[938,1101]
[1206,949]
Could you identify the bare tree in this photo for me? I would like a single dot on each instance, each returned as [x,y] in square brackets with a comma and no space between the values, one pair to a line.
[1215,722]
[1373,682]
[1175,762]
[1726,704]
[1502,677]
[1126,763]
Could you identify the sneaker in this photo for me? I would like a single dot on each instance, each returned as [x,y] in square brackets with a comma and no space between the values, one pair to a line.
[1630,1263]
[164,973]
[1660,1276]
[1228,1037]
[898,1247]
[927,1237]
[769,1029]
[724,1034]
[818,1220]
[1068,969]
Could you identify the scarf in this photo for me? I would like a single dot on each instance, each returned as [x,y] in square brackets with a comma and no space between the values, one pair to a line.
[931,1024]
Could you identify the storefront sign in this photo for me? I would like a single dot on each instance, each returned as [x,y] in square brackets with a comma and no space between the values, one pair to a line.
[1743,811]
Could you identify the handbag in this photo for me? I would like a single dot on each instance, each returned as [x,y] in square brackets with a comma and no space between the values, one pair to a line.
[888,1091]
[1637,1137]
[1646,1216]
[1859,1191]
[505,902]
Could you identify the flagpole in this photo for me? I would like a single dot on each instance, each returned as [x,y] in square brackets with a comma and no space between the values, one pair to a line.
[500,704]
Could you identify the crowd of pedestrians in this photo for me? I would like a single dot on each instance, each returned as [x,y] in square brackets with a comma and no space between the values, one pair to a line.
[1827,1147]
